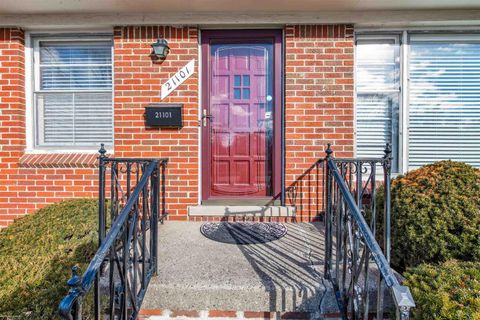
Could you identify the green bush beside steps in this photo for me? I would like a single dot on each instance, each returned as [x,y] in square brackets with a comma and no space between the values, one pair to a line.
[36,255]
[435,238]
[449,291]
[435,215]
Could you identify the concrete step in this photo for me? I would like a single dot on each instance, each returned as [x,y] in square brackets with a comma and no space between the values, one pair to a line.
[196,273]
[257,211]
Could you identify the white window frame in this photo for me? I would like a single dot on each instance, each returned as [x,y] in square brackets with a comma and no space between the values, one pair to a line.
[427,34]
[32,83]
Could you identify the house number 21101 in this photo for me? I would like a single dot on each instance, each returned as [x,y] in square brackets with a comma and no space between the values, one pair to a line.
[178,78]
[163,115]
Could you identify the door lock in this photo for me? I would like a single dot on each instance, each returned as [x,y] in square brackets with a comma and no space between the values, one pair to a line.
[206,116]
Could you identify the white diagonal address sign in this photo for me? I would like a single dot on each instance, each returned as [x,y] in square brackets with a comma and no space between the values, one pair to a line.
[178,78]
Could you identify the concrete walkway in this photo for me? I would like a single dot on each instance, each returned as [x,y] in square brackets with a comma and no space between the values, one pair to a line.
[196,273]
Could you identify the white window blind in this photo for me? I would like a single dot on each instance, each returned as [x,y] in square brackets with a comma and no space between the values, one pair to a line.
[73,93]
[378,89]
[444,100]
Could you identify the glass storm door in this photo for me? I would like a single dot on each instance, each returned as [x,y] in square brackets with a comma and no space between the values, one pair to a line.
[238,119]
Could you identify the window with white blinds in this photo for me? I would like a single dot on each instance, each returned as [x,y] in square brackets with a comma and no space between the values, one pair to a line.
[444,99]
[73,93]
[378,90]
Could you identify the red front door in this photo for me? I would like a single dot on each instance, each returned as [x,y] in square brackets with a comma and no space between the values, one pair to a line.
[239,117]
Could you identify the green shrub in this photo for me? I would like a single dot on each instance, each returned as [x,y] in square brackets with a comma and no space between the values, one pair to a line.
[449,291]
[435,215]
[36,254]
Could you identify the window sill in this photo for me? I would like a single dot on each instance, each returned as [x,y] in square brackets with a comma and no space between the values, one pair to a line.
[59,160]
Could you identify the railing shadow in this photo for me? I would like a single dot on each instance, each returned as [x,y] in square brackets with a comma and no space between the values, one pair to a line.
[306,194]
[356,266]
[290,268]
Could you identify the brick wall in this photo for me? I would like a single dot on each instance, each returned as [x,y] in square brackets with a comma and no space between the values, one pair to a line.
[319,106]
[12,113]
[28,182]
[318,110]
[137,83]
[12,97]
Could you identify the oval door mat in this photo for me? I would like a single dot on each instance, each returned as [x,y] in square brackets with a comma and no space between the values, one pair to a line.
[243,232]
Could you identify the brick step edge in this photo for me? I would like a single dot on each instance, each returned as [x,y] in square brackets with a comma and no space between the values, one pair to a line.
[161,314]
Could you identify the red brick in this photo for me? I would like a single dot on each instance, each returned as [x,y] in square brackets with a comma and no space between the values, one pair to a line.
[151,312]
[182,313]
[222,314]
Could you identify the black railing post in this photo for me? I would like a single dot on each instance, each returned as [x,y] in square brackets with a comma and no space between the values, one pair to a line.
[164,195]
[328,214]
[144,235]
[386,165]
[101,221]
[387,168]
[74,306]
[75,282]
[155,213]
[123,288]
[101,194]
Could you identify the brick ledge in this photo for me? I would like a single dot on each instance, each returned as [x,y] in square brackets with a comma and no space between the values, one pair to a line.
[162,314]
[59,160]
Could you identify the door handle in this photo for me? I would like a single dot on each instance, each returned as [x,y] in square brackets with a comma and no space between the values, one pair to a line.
[206,116]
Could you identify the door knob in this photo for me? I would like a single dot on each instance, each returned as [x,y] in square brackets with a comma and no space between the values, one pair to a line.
[206,116]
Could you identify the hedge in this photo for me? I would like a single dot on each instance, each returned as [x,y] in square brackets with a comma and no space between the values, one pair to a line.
[435,215]
[37,253]
[450,291]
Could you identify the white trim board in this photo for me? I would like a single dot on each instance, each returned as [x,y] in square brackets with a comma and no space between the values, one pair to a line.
[411,17]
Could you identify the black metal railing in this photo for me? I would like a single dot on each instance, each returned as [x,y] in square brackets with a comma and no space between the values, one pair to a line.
[132,191]
[355,263]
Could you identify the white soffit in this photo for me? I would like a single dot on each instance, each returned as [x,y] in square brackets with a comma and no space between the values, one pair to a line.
[51,13]
[158,6]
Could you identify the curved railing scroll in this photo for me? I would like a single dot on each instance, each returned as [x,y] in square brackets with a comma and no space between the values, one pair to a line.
[357,266]
[126,258]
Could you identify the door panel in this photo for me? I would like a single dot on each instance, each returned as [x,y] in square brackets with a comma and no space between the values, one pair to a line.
[238,151]
[240,139]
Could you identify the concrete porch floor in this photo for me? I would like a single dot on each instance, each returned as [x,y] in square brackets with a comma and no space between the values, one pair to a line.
[196,273]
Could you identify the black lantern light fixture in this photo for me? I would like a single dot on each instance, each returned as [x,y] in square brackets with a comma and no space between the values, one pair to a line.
[160,49]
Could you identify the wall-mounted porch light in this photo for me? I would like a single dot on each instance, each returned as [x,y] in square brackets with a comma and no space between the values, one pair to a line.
[160,49]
